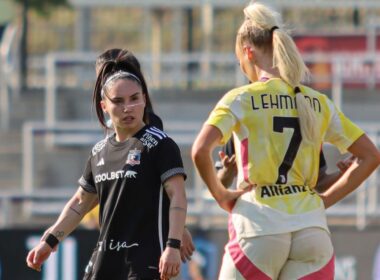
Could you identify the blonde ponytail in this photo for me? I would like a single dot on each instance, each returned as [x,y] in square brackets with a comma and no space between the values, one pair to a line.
[262,28]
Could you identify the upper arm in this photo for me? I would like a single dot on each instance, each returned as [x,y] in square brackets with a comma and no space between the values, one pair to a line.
[363,147]
[175,186]
[208,138]
[85,199]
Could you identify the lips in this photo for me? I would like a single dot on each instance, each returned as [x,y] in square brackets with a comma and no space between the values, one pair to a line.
[128,119]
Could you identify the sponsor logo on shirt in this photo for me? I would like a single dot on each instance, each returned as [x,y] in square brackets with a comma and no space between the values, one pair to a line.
[133,157]
[130,174]
[101,162]
[279,190]
[114,245]
[151,137]
[114,175]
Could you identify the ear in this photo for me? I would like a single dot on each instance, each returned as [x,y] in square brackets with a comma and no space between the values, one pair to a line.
[248,51]
[103,105]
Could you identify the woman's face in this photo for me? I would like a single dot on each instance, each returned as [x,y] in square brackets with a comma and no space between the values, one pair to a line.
[124,102]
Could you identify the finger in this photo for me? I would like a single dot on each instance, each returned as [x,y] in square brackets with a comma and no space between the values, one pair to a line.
[190,251]
[240,192]
[36,257]
[29,259]
[352,157]
[164,270]
[183,256]
[176,270]
[342,167]
[192,247]
[231,160]
[160,266]
[221,155]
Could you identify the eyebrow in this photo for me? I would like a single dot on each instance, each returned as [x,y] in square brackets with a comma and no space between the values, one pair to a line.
[136,93]
[119,97]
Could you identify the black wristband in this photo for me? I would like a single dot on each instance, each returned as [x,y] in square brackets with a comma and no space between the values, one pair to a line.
[51,240]
[173,243]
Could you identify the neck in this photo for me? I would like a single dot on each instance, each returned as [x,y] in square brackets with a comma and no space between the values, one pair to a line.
[123,134]
[264,68]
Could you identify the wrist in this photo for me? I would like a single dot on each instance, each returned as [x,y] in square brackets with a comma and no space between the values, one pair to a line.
[51,240]
[173,243]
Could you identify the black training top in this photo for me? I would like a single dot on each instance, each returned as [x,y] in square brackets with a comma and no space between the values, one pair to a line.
[134,208]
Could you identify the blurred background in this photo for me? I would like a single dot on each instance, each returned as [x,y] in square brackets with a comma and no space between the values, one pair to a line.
[186,47]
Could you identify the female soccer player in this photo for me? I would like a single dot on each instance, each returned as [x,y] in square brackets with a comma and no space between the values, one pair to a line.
[278,228]
[187,246]
[137,176]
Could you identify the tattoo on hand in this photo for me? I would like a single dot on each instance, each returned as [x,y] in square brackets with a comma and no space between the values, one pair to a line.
[77,212]
[59,234]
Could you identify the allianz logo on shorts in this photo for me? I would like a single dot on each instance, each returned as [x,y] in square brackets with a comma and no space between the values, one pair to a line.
[114,175]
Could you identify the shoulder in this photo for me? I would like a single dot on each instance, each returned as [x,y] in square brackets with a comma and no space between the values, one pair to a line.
[235,93]
[152,137]
[99,146]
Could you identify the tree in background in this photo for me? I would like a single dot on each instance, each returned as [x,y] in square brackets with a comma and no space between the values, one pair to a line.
[43,7]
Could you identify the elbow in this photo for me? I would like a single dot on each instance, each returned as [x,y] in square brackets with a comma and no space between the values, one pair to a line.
[197,152]
[375,158]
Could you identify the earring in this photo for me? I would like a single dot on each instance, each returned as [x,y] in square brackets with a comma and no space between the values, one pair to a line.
[109,123]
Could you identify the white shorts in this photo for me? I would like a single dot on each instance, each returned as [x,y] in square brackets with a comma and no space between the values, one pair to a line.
[305,254]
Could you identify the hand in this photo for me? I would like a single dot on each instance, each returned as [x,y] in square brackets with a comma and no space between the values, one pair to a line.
[228,162]
[187,246]
[343,165]
[228,199]
[170,263]
[229,170]
[38,255]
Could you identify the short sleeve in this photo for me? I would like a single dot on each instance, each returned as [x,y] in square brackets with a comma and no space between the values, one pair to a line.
[223,118]
[341,131]
[87,180]
[168,160]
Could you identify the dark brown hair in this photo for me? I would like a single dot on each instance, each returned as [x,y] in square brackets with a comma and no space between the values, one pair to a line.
[110,62]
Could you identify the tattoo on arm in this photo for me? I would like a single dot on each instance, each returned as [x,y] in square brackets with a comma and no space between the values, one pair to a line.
[76,212]
[177,208]
[59,234]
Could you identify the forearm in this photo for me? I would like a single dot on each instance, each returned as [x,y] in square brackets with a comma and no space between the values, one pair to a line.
[175,188]
[350,180]
[72,214]
[327,180]
[177,216]
[204,164]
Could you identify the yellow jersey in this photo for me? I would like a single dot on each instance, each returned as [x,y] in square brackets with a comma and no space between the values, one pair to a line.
[271,155]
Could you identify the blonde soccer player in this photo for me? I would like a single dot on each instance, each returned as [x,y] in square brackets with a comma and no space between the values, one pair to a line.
[278,227]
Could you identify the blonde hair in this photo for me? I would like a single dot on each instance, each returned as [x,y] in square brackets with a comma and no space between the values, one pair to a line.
[262,28]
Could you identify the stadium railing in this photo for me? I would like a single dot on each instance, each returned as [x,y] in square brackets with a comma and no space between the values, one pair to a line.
[199,71]
[361,206]
[9,78]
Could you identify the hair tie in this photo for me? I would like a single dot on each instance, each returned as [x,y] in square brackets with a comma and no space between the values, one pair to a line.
[273,29]
[297,90]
